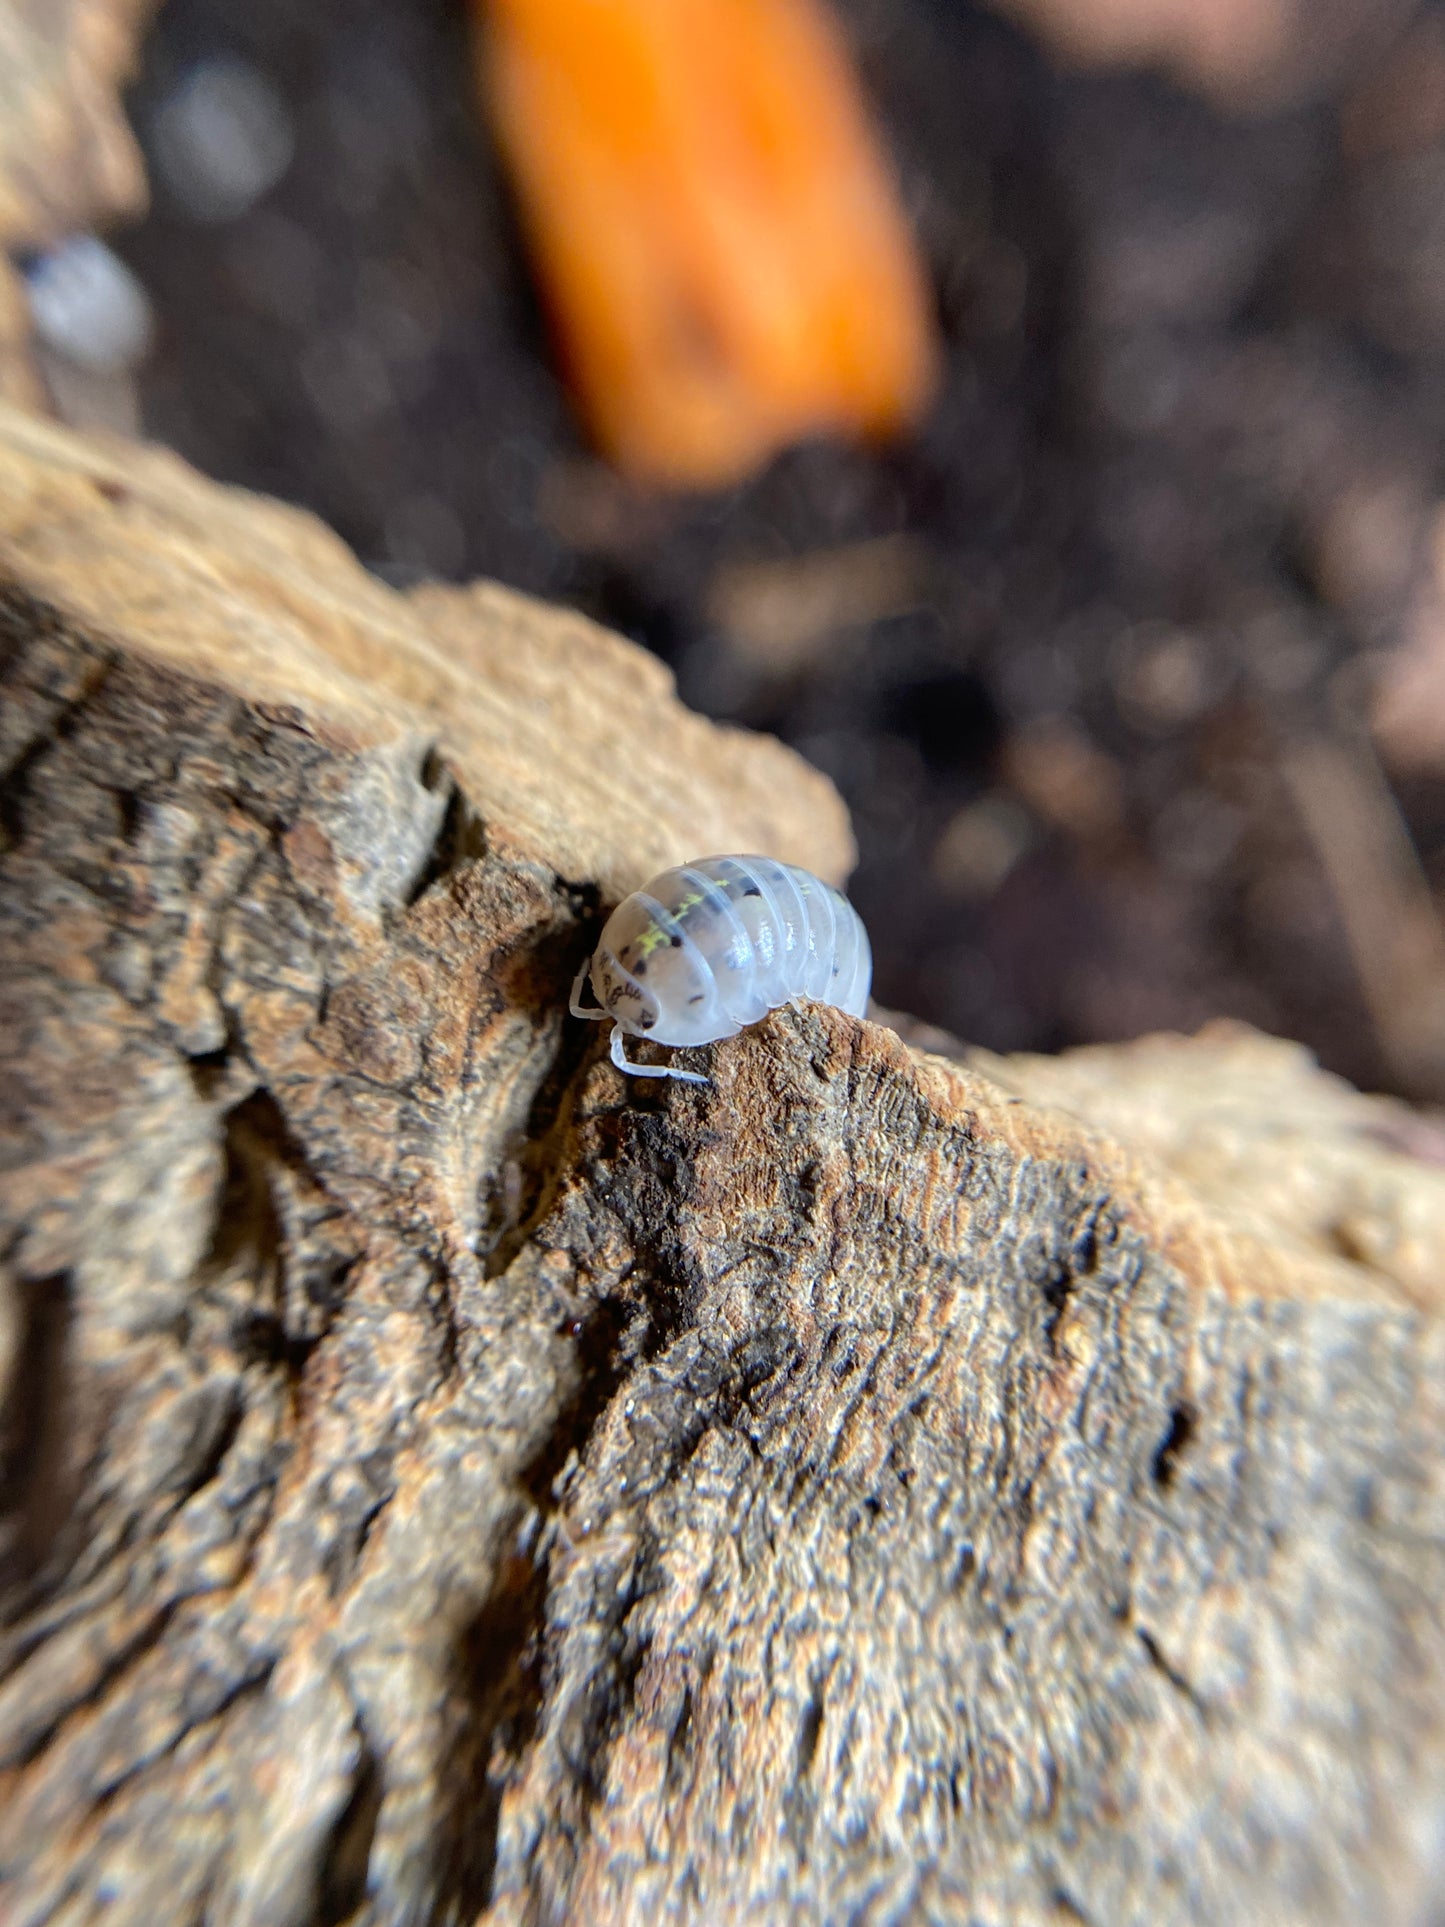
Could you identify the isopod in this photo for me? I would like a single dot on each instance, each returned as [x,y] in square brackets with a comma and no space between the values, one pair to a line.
[713,946]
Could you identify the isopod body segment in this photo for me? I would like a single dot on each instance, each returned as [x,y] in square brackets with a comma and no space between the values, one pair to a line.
[712,946]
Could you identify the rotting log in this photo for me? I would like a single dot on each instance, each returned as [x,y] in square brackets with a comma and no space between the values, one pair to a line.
[443,1483]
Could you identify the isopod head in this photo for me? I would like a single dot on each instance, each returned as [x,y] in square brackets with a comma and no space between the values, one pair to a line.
[649,977]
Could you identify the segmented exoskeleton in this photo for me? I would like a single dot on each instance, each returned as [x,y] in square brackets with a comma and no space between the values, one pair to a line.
[713,946]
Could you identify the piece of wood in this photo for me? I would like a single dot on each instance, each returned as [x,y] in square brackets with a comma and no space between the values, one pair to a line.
[68,159]
[20,381]
[442,1482]
[67,156]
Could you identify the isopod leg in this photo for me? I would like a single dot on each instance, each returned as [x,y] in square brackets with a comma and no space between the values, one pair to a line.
[597,1014]
[624,1063]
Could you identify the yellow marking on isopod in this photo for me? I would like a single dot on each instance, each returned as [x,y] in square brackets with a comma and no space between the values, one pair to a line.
[652,938]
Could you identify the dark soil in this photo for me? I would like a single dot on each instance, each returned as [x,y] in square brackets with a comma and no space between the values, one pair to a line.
[1170,507]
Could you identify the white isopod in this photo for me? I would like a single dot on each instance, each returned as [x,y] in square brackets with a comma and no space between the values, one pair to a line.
[715,945]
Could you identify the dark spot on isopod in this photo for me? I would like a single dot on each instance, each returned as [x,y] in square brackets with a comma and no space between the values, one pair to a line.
[676,941]
[752,891]
[697,999]
[648,1021]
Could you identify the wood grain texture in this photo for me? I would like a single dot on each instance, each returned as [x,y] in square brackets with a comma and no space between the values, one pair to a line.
[442,1483]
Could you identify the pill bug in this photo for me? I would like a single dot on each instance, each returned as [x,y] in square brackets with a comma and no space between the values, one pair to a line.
[713,946]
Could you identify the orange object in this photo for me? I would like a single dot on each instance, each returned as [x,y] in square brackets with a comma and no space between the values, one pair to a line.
[716,228]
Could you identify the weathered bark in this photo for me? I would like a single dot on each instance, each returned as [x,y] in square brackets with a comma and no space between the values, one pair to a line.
[443,1483]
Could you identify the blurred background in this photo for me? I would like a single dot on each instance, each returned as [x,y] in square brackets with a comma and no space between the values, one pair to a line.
[1128,656]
